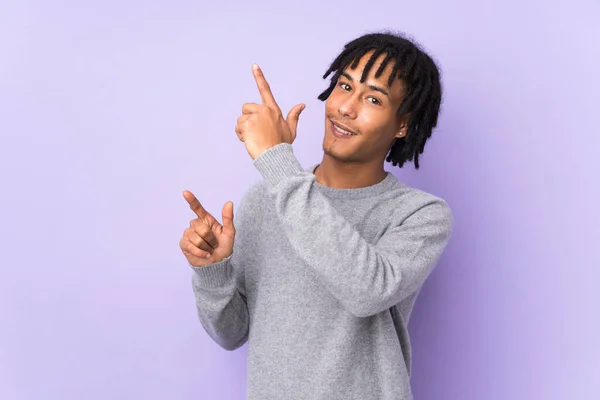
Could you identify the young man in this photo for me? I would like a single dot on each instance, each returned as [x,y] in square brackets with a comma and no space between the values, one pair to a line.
[328,261]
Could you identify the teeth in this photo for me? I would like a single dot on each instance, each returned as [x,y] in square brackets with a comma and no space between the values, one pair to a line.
[345,132]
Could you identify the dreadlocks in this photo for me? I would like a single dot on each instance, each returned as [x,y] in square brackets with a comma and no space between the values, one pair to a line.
[421,78]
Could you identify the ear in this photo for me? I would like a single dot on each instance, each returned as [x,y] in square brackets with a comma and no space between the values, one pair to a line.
[403,129]
[401,133]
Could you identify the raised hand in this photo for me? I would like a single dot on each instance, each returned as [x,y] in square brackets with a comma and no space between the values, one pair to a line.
[206,241]
[261,126]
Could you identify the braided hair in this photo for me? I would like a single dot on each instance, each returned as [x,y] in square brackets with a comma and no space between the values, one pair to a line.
[421,78]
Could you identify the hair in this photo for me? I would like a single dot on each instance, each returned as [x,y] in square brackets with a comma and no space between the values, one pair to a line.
[421,78]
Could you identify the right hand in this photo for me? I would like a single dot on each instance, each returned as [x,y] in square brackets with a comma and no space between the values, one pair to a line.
[206,241]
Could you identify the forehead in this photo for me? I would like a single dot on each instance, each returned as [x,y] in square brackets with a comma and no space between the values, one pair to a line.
[397,87]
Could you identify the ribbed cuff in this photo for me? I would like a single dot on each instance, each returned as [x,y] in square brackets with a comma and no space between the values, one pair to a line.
[277,163]
[214,275]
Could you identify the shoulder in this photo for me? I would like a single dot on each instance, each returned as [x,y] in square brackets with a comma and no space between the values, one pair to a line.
[416,204]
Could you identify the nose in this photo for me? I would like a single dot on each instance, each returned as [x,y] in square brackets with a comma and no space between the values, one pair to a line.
[347,107]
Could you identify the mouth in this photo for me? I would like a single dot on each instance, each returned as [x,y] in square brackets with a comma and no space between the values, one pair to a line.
[340,130]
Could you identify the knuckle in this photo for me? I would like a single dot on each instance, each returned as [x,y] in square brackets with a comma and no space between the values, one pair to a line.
[190,248]
[194,240]
[196,250]
[197,225]
[203,230]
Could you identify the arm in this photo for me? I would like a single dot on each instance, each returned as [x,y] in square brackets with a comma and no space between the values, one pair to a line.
[221,303]
[220,293]
[366,278]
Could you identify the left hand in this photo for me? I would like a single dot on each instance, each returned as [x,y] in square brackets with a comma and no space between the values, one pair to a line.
[261,126]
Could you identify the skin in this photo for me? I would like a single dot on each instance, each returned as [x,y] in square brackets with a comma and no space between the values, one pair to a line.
[358,161]
[260,127]
[367,109]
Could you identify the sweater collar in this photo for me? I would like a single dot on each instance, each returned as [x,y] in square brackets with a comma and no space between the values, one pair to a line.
[355,193]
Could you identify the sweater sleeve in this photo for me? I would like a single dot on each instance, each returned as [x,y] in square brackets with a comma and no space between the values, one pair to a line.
[220,293]
[366,278]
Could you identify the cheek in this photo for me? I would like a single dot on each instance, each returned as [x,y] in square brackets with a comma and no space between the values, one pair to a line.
[330,104]
[376,126]
[369,122]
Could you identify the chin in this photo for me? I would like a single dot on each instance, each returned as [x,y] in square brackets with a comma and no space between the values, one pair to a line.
[330,150]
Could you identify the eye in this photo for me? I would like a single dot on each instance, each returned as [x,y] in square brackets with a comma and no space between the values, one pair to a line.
[375,100]
[344,86]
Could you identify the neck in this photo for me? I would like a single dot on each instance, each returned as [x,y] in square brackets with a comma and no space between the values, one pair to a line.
[342,175]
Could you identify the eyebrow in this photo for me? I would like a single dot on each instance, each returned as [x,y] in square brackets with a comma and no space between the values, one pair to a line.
[372,87]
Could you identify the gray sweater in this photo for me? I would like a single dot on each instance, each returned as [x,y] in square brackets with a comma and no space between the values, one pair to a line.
[321,283]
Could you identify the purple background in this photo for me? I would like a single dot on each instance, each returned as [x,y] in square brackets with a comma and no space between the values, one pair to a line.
[108,111]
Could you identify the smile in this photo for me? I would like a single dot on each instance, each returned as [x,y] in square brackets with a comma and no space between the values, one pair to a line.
[340,132]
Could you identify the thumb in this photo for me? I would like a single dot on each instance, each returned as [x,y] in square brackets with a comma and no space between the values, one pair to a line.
[228,227]
[293,116]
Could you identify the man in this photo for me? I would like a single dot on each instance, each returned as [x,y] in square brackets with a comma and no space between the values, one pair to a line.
[327,261]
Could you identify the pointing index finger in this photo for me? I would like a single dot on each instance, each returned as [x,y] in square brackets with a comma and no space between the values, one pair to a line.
[264,88]
[194,204]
